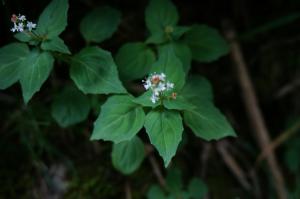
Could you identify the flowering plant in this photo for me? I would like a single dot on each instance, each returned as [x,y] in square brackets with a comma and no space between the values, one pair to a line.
[21,24]
[168,101]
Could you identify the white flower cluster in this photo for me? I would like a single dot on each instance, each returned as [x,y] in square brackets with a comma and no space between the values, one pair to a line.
[21,23]
[158,84]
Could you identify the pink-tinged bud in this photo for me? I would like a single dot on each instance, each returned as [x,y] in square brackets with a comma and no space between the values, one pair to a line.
[155,79]
[14,18]
[174,95]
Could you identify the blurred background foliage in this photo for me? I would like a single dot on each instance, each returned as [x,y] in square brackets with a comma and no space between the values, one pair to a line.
[39,159]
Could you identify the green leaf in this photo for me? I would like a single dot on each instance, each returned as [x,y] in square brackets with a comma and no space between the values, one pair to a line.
[207,122]
[35,70]
[164,129]
[155,192]
[100,24]
[197,88]
[160,14]
[178,104]
[181,195]
[197,188]
[53,19]
[174,182]
[206,43]
[120,119]
[93,70]
[11,59]
[23,37]
[157,38]
[179,31]
[134,60]
[169,64]
[292,155]
[70,107]
[55,44]
[166,35]
[183,52]
[127,156]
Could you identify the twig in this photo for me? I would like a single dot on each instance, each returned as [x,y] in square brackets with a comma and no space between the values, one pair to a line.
[255,183]
[233,165]
[127,188]
[204,157]
[155,167]
[253,111]
[290,87]
[278,141]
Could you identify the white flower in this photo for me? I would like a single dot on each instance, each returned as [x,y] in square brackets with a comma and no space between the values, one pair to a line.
[162,77]
[161,86]
[158,85]
[147,84]
[21,24]
[154,99]
[15,28]
[169,86]
[20,27]
[156,91]
[21,17]
[30,25]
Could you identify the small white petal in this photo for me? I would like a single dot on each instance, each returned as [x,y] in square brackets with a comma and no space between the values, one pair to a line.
[156,92]
[161,87]
[20,27]
[170,85]
[30,25]
[21,17]
[147,84]
[154,99]
[162,76]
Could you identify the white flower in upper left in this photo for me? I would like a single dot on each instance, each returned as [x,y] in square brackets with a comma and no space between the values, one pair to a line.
[21,23]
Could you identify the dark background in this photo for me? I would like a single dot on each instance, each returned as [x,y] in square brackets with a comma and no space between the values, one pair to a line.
[31,144]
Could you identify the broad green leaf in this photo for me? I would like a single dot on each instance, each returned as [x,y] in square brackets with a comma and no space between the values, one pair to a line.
[93,70]
[11,59]
[35,71]
[179,31]
[169,64]
[207,122]
[134,60]
[178,104]
[160,14]
[164,129]
[197,188]
[120,119]
[100,24]
[168,34]
[55,44]
[183,52]
[70,107]
[155,192]
[127,156]
[174,182]
[206,43]
[53,19]
[145,100]
[196,89]
[23,36]
[157,38]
